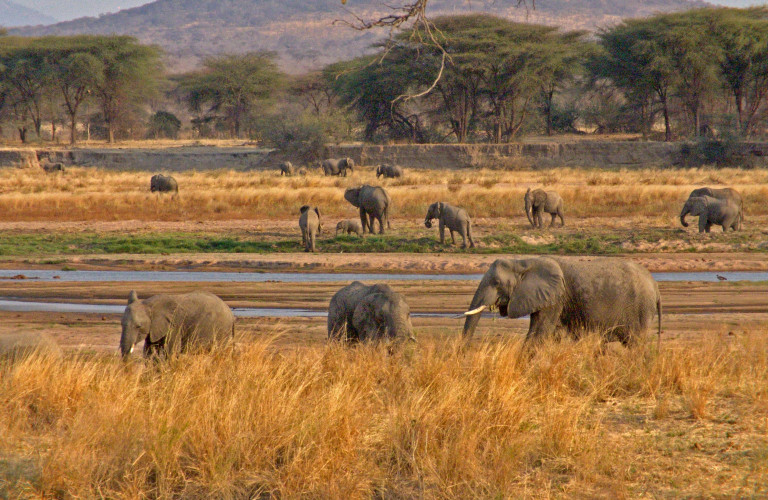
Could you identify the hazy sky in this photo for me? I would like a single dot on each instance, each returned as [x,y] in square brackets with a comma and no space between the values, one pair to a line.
[64,10]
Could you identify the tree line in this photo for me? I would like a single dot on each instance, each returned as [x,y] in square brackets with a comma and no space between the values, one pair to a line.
[468,78]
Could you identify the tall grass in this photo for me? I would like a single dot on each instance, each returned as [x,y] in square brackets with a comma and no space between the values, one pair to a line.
[435,421]
[92,194]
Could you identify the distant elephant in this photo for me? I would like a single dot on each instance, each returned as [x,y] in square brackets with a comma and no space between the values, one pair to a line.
[361,312]
[374,203]
[16,346]
[333,166]
[711,211]
[389,171]
[349,226]
[170,324]
[163,184]
[615,297]
[454,218]
[53,167]
[539,200]
[728,194]
[286,168]
[309,222]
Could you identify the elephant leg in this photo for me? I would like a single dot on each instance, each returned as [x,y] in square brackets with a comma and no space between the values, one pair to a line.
[552,222]
[560,214]
[703,224]
[463,234]
[381,223]
[543,323]
[469,235]
[311,241]
[304,238]
[453,238]
[539,219]
[364,220]
[442,232]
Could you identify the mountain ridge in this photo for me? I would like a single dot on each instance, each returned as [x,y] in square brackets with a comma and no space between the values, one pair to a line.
[13,14]
[303,33]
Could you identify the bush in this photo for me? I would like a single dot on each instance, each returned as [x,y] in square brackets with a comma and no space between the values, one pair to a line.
[163,125]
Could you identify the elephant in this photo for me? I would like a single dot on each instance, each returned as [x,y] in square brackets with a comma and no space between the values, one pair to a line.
[454,218]
[163,184]
[286,168]
[711,211]
[360,312]
[309,222]
[373,202]
[349,226]
[618,298]
[389,171]
[728,194]
[16,346]
[173,323]
[539,200]
[53,167]
[334,166]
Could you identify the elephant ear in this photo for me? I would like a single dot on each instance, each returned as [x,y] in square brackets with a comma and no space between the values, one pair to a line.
[541,284]
[161,314]
[539,197]
[303,209]
[317,211]
[133,297]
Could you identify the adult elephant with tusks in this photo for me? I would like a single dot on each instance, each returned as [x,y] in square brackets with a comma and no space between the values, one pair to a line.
[360,312]
[614,297]
[173,323]
[374,203]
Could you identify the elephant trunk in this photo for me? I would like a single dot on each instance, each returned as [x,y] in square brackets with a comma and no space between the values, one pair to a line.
[485,296]
[528,211]
[127,341]
[686,210]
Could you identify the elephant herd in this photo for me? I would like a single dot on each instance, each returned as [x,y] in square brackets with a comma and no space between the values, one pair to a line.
[615,297]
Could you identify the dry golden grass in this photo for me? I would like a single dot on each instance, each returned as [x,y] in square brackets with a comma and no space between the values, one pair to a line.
[94,195]
[433,421]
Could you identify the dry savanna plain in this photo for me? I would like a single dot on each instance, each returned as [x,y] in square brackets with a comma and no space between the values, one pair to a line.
[283,413]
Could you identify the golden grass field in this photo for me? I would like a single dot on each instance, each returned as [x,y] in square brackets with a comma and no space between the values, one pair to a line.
[88,194]
[432,421]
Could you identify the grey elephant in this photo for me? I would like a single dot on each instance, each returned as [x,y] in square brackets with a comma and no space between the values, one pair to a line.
[349,226]
[335,166]
[389,171]
[309,223]
[286,168]
[163,184]
[361,312]
[538,201]
[618,298]
[173,323]
[711,211]
[454,218]
[16,346]
[53,167]
[374,203]
[728,194]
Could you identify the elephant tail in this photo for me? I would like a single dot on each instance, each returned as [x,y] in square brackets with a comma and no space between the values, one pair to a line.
[658,314]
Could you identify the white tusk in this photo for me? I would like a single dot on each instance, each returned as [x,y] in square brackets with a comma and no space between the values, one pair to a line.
[475,311]
[132,349]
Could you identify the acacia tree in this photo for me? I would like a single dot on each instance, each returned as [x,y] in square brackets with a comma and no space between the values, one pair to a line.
[27,73]
[232,85]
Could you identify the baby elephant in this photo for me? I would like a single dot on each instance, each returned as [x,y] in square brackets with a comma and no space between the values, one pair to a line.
[538,201]
[309,222]
[286,168]
[389,171]
[711,211]
[454,218]
[349,226]
[361,312]
[163,184]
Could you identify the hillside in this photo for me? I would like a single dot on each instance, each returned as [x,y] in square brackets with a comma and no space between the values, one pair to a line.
[302,31]
[13,14]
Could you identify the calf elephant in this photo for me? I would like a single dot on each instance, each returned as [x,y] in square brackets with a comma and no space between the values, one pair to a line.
[286,168]
[163,184]
[616,297]
[361,312]
[169,324]
[711,211]
[349,226]
[373,202]
[454,218]
[389,171]
[334,166]
[728,194]
[309,222]
[539,200]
